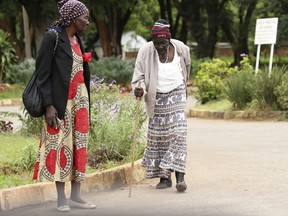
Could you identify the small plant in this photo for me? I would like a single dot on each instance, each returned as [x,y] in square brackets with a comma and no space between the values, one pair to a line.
[30,125]
[26,159]
[6,126]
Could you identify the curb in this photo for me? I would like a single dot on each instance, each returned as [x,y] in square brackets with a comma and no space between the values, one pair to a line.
[237,114]
[11,102]
[39,193]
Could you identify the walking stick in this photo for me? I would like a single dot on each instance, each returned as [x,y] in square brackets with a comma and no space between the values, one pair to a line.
[135,140]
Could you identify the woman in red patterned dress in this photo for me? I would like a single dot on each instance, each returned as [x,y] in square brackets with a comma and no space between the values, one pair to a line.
[63,79]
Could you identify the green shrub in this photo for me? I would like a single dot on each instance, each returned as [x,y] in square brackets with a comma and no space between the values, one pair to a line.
[113,69]
[22,72]
[209,79]
[195,67]
[7,55]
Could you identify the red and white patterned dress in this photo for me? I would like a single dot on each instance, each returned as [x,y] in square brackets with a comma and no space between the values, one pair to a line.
[63,151]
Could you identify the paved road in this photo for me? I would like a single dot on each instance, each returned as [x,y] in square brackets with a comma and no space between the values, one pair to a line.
[235,168]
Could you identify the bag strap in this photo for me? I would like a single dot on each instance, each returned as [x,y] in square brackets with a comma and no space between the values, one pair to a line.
[57,38]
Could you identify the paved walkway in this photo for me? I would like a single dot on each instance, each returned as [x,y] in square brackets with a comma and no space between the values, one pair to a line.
[234,168]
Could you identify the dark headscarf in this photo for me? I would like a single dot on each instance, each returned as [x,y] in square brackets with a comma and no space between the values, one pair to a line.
[69,10]
[161,30]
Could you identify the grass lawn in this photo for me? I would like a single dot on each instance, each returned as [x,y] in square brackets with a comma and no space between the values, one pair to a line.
[11,91]
[11,155]
[220,105]
[13,151]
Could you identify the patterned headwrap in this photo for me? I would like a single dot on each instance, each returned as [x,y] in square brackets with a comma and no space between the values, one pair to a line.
[69,10]
[161,30]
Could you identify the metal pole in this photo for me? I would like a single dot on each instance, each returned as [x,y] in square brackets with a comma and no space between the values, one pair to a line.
[257,58]
[271,59]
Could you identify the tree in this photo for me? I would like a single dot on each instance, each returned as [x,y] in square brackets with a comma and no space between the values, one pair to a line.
[203,19]
[110,17]
[278,8]
[11,22]
[41,14]
[168,12]
[236,25]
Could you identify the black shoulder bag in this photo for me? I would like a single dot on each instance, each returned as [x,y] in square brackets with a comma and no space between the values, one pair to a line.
[31,96]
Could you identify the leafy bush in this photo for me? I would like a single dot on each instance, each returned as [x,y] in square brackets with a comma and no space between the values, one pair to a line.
[209,79]
[111,136]
[195,67]
[22,72]
[7,55]
[281,93]
[113,69]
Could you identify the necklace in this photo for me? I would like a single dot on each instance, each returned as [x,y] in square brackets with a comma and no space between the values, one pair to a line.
[167,54]
[73,40]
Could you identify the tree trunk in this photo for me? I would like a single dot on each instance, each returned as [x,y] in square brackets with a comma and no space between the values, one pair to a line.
[238,34]
[104,37]
[8,24]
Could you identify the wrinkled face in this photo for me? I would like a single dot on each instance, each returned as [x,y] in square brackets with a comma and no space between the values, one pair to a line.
[161,45]
[82,22]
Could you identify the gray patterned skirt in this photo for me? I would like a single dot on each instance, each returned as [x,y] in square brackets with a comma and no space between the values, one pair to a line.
[166,149]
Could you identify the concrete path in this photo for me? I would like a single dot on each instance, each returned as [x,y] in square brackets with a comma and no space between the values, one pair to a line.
[13,109]
[234,168]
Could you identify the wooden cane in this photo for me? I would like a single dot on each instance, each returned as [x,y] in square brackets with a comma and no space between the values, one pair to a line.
[135,141]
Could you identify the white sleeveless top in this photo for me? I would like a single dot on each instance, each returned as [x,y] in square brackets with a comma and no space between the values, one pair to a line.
[169,74]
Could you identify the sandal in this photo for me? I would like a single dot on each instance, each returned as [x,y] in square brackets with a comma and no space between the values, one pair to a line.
[88,205]
[64,208]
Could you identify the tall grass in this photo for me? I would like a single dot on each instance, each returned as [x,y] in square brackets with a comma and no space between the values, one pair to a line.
[247,90]
[237,89]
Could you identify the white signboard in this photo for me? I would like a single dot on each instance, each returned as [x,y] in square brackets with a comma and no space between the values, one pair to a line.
[266,30]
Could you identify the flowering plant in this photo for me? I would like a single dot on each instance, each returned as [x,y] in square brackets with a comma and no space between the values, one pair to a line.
[112,124]
[87,56]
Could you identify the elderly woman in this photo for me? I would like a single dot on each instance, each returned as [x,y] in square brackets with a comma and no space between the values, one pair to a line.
[160,76]
[63,80]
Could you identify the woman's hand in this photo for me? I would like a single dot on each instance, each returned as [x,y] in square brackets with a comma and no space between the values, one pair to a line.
[51,116]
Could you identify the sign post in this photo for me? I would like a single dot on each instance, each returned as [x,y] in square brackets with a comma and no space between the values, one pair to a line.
[265,33]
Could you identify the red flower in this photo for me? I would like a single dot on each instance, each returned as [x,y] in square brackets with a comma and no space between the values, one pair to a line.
[87,56]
